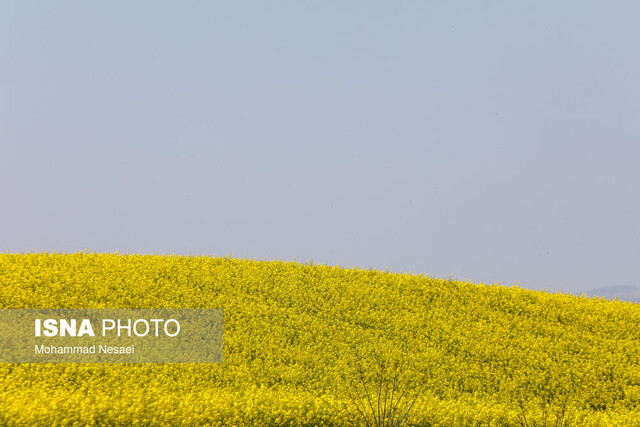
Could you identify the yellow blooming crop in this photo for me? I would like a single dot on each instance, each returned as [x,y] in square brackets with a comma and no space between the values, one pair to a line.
[296,334]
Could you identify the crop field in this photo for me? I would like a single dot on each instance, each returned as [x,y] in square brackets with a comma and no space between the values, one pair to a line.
[303,342]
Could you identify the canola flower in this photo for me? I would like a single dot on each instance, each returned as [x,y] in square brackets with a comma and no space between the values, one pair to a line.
[296,334]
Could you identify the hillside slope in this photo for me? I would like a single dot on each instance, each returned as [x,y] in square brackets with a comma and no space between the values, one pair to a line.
[295,335]
[622,293]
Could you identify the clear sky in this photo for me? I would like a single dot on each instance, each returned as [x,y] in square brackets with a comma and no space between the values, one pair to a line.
[485,141]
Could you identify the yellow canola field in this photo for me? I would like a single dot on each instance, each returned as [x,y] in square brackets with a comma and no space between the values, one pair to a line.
[296,335]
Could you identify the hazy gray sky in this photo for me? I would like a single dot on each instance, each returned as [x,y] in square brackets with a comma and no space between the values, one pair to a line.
[488,141]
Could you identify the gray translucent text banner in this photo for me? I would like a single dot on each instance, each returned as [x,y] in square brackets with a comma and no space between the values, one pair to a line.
[111,335]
